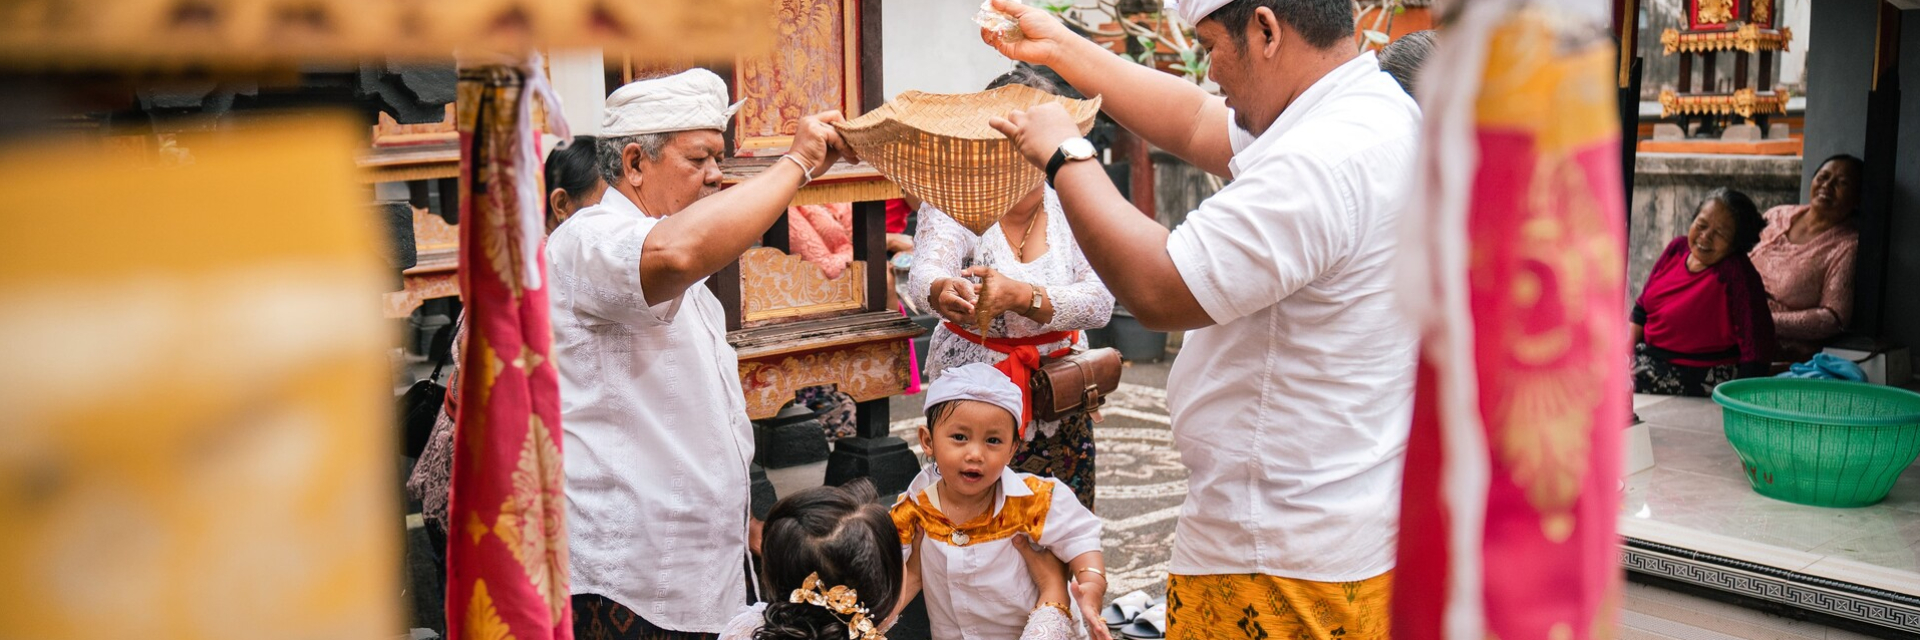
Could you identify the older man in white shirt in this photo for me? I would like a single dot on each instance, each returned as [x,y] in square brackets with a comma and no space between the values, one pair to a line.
[1292,395]
[657,438]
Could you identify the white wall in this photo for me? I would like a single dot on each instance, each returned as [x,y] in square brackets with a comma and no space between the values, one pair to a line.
[934,46]
[1794,14]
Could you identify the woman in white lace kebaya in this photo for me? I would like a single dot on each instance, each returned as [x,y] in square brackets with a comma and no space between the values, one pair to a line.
[1040,291]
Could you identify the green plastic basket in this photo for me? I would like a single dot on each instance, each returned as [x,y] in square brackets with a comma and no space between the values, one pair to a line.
[1825,443]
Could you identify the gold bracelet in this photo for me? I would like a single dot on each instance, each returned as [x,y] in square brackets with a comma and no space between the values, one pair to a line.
[1097,572]
[1063,608]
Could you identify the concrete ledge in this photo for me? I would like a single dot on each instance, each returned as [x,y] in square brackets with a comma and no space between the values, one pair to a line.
[1708,165]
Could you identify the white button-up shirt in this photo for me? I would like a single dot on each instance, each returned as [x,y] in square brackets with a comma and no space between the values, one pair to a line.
[657,438]
[1292,411]
[975,583]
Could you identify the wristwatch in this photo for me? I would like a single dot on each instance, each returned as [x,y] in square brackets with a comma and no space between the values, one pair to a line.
[1039,298]
[1071,150]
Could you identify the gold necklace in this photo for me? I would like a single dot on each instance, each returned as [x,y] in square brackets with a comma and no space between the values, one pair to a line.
[1020,250]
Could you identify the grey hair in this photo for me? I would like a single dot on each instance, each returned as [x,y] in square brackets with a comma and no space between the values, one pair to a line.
[609,150]
[1403,57]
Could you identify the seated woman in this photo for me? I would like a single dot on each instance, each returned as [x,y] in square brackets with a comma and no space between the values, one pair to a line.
[1805,257]
[1702,318]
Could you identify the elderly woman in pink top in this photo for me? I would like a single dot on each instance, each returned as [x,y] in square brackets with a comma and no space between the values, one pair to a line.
[1805,257]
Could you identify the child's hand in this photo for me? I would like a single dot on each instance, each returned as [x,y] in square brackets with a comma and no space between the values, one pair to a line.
[1092,593]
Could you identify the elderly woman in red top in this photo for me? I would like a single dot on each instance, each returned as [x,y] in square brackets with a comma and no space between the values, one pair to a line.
[1805,257]
[1702,319]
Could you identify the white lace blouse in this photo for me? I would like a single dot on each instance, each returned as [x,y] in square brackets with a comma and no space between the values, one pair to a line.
[943,248]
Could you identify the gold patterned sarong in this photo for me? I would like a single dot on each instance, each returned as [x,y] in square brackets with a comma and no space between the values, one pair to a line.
[1258,607]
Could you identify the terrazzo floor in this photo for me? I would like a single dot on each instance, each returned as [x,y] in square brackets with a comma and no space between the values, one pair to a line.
[1695,496]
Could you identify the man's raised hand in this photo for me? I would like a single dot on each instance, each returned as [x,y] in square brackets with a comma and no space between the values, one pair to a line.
[818,144]
[1042,36]
[1037,132]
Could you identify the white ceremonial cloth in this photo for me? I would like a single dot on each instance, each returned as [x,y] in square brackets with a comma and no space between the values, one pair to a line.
[690,100]
[983,591]
[1193,11]
[979,382]
[657,438]
[1292,411]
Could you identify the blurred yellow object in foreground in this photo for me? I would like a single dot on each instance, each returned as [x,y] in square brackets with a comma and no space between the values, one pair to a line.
[196,433]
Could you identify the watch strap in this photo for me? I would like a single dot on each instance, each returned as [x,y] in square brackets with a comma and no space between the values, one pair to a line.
[1053,165]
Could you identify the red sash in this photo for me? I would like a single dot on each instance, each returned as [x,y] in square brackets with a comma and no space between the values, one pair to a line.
[1023,357]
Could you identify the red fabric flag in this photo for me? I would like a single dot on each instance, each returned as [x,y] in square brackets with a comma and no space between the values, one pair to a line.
[1514,267]
[507,547]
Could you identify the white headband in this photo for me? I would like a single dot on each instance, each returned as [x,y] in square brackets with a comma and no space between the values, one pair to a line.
[687,101]
[1193,11]
[979,382]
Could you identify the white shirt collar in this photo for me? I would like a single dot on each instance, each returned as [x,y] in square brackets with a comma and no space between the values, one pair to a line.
[615,202]
[1011,486]
[1341,76]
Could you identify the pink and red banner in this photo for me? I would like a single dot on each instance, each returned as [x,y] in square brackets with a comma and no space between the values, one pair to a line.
[507,543]
[1515,266]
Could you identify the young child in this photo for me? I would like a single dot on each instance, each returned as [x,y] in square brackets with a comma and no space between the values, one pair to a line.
[831,568]
[959,519]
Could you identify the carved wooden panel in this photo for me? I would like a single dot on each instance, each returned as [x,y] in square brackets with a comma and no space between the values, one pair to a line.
[420,288]
[388,133]
[431,234]
[813,66]
[777,287]
[869,371]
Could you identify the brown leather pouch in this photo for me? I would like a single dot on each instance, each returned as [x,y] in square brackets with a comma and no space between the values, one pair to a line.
[1078,382]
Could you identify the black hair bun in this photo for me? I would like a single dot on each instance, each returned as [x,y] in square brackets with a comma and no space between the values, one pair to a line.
[799,621]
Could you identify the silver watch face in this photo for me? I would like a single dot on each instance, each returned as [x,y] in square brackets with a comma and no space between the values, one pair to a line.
[1077,149]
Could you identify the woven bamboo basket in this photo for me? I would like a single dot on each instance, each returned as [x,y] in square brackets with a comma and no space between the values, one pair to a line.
[939,148]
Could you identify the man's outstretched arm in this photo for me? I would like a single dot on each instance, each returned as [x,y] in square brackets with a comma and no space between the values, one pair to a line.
[712,232]
[1170,112]
[1127,248]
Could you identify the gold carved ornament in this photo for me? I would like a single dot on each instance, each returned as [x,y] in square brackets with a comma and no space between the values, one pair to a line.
[1713,11]
[1750,38]
[1762,11]
[1745,103]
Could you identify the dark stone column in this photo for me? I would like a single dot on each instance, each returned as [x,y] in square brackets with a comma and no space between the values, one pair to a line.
[873,453]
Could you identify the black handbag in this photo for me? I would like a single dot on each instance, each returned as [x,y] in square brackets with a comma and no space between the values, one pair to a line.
[420,405]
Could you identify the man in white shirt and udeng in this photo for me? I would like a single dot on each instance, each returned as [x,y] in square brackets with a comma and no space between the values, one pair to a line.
[657,438]
[1292,394]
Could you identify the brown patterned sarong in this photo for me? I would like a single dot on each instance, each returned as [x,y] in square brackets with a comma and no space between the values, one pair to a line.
[597,617]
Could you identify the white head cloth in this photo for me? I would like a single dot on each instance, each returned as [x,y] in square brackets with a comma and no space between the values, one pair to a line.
[687,101]
[1193,11]
[978,382]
